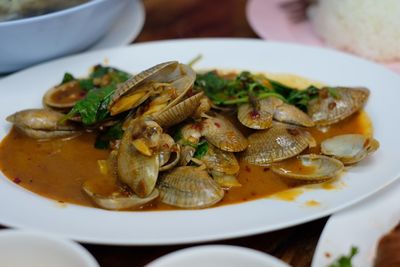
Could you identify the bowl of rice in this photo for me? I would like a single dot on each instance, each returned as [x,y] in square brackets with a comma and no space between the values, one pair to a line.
[368,28]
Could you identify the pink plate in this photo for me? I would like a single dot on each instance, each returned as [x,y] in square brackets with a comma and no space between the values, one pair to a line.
[270,22]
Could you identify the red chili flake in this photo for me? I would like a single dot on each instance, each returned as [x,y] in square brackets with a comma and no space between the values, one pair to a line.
[253,193]
[165,145]
[323,93]
[82,94]
[247,168]
[328,255]
[190,93]
[265,169]
[217,124]
[254,114]
[17,180]
[331,105]
[197,126]
[293,132]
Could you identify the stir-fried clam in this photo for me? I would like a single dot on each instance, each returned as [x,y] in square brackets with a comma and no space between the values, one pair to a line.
[220,132]
[334,104]
[43,124]
[178,145]
[275,144]
[179,112]
[258,114]
[349,148]
[189,187]
[119,200]
[166,84]
[311,168]
[222,165]
[138,162]
[169,152]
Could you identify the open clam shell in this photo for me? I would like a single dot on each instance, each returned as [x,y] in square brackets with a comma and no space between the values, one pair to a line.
[275,144]
[119,200]
[220,132]
[335,104]
[179,112]
[312,168]
[137,170]
[140,87]
[220,161]
[349,148]
[149,74]
[63,96]
[189,187]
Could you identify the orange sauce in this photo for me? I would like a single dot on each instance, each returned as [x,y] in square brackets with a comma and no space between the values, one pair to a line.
[57,168]
[312,203]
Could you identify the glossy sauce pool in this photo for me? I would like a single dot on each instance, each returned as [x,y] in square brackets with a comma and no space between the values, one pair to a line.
[57,168]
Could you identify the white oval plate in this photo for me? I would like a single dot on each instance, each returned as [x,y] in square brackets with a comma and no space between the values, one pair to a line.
[361,226]
[20,208]
[217,255]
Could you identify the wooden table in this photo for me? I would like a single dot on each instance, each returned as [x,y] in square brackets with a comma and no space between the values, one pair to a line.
[171,19]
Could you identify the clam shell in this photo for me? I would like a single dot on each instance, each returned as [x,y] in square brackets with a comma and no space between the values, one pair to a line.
[119,201]
[328,109]
[138,171]
[179,112]
[220,132]
[259,117]
[290,114]
[225,180]
[150,74]
[189,187]
[220,161]
[63,96]
[42,124]
[349,148]
[275,144]
[315,168]
[178,76]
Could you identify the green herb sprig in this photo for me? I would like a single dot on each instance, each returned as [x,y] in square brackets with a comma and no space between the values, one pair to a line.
[223,91]
[93,107]
[345,261]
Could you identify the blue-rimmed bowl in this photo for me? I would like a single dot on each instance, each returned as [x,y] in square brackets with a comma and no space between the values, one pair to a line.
[28,41]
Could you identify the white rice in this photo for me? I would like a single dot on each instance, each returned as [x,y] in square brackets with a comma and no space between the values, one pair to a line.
[369,28]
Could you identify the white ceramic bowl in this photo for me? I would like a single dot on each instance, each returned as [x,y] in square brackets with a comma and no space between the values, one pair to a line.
[27,41]
[217,256]
[21,248]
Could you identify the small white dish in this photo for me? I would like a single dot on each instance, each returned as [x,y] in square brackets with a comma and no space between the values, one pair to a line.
[125,29]
[361,226]
[21,248]
[217,255]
